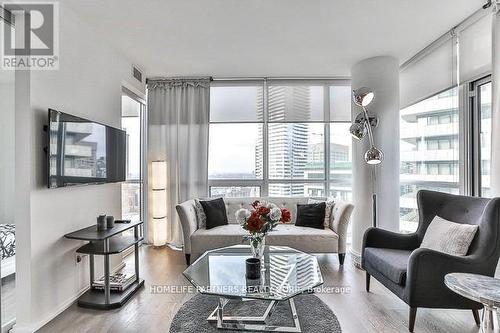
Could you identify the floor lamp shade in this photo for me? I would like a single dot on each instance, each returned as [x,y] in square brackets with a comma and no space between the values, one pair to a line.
[159,202]
[159,171]
[159,231]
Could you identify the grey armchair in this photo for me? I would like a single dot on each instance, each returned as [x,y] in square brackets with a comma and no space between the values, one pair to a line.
[416,275]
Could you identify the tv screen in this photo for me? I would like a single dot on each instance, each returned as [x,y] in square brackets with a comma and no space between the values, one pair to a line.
[81,151]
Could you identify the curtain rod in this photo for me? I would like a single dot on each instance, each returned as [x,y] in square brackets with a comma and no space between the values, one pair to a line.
[468,21]
[179,78]
[242,78]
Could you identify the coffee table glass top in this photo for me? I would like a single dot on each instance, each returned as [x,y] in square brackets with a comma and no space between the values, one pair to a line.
[285,272]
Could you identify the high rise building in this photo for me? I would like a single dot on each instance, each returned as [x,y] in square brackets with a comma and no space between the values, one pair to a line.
[429,151]
[288,142]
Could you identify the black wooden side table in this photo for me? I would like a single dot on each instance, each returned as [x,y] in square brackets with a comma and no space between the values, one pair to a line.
[105,243]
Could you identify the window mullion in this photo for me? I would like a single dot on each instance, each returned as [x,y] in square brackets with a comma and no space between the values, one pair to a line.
[326,162]
[265,146]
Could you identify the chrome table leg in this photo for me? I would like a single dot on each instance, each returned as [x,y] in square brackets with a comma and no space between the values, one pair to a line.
[252,323]
[489,324]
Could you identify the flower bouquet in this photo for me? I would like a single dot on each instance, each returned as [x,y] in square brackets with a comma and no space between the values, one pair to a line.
[258,221]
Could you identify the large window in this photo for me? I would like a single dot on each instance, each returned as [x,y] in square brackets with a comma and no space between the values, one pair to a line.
[280,138]
[445,148]
[133,112]
[429,133]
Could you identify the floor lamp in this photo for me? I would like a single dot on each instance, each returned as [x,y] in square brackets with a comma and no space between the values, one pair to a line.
[359,129]
[159,198]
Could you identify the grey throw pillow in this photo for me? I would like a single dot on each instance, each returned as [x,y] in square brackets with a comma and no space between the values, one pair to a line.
[200,214]
[449,237]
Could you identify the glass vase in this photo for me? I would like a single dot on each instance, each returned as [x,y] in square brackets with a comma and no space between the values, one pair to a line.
[257,244]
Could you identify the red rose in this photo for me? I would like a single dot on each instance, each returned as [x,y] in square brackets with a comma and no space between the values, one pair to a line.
[263,211]
[286,216]
[254,223]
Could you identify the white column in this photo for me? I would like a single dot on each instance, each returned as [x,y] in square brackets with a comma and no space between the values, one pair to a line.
[495,108]
[380,74]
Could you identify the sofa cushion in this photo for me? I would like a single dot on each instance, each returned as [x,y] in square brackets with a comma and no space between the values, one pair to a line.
[311,215]
[215,212]
[208,239]
[301,238]
[305,239]
[389,262]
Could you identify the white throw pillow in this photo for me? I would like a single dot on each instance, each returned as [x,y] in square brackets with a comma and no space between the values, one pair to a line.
[328,210]
[449,237]
[200,214]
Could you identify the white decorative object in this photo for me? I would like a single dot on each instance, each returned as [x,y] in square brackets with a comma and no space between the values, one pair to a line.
[159,202]
[449,237]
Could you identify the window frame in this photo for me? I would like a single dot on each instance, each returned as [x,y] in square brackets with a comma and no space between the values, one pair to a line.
[473,113]
[142,180]
[266,181]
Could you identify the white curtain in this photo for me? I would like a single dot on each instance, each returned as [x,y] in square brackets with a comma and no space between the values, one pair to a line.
[178,114]
[495,108]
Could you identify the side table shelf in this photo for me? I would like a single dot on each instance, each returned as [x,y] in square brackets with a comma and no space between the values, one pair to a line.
[94,299]
[116,245]
[106,243]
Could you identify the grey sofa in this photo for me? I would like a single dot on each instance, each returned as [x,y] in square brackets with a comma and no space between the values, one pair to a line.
[416,275]
[310,240]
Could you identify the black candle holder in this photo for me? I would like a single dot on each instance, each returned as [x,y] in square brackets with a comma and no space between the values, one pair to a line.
[252,268]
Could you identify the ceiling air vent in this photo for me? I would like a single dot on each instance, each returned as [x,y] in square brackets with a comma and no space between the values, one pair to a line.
[137,73]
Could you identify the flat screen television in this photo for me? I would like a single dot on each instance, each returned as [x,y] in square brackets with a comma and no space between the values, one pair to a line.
[82,152]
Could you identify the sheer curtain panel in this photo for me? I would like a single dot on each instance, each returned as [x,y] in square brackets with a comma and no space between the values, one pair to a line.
[178,113]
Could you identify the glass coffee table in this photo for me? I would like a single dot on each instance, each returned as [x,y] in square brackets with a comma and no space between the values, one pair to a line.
[285,273]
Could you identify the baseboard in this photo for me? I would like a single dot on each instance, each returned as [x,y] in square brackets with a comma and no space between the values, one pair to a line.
[66,304]
[356,259]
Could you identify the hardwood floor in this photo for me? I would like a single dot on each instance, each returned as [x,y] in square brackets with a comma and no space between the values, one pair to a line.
[357,310]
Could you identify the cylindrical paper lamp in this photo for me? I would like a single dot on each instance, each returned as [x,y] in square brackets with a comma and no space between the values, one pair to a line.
[159,202]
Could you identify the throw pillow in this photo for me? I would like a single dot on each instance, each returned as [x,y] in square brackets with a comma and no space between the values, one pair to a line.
[449,237]
[215,211]
[328,210]
[311,215]
[200,214]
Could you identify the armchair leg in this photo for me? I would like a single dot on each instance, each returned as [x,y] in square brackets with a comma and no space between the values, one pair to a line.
[188,259]
[411,321]
[341,258]
[367,282]
[475,313]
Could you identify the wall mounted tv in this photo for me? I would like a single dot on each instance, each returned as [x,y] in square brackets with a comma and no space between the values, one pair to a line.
[82,152]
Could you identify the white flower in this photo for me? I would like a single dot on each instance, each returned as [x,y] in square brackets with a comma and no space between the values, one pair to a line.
[272,205]
[275,214]
[242,214]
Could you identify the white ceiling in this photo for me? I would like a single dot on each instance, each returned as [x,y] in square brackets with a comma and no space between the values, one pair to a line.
[268,37]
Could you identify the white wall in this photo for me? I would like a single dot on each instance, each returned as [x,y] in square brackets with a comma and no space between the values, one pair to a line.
[7,156]
[88,84]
